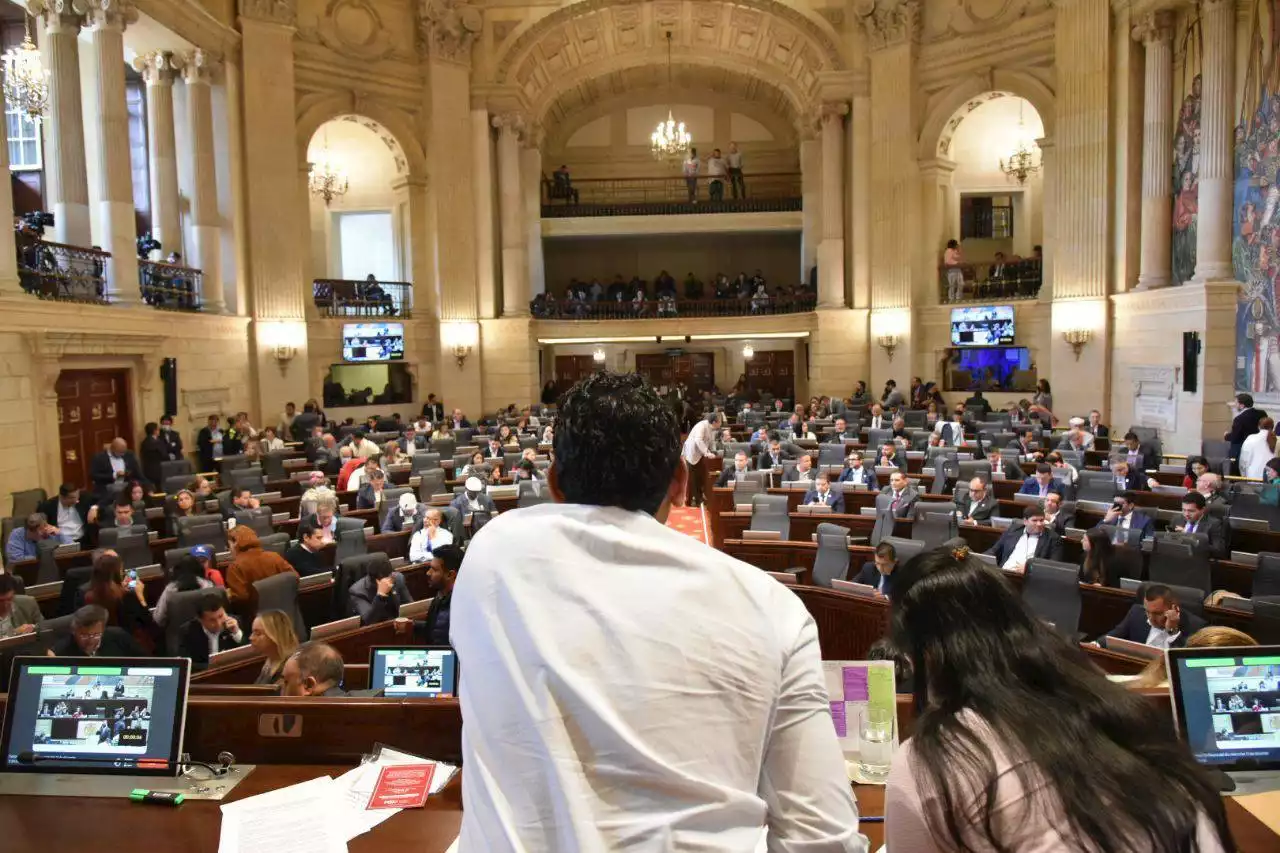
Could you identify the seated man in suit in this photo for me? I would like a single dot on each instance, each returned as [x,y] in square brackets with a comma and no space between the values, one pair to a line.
[842,433]
[879,573]
[803,469]
[474,501]
[1064,471]
[1127,478]
[72,511]
[1123,516]
[1132,452]
[212,630]
[90,637]
[773,457]
[1041,483]
[1158,621]
[823,495]
[1197,521]
[978,504]
[19,614]
[1096,426]
[891,458]
[857,473]
[1025,443]
[377,596]
[1021,543]
[998,273]
[1002,465]
[371,491]
[737,473]
[116,464]
[1056,518]
[952,432]
[1076,439]
[315,669]
[898,497]
[878,418]
[405,515]
[1210,485]
[305,556]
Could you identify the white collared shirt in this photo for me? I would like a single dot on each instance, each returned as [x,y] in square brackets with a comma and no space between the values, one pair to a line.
[699,730]
[425,541]
[1022,552]
[117,463]
[70,526]
[699,442]
[1159,637]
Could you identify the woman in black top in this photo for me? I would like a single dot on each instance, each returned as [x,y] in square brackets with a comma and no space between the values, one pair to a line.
[1100,565]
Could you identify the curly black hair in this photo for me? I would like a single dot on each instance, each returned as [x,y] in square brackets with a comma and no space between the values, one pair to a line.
[617,443]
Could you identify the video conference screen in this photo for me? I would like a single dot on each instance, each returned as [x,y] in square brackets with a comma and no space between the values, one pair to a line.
[95,715]
[372,342]
[989,369]
[423,671]
[985,326]
[1230,706]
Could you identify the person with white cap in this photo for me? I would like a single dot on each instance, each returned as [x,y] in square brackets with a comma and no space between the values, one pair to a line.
[405,515]
[475,502]
[429,537]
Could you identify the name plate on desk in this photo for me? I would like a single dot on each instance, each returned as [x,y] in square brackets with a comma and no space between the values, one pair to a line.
[814,509]
[761,536]
[860,589]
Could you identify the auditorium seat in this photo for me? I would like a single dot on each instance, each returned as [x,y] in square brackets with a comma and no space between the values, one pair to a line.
[769,513]
[1266,576]
[176,468]
[26,502]
[258,520]
[832,559]
[1052,590]
[280,592]
[182,609]
[275,542]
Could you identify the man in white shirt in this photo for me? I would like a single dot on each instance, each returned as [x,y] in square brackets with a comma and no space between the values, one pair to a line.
[697,448]
[878,420]
[734,161]
[362,446]
[1020,544]
[717,169]
[631,689]
[430,537]
[690,169]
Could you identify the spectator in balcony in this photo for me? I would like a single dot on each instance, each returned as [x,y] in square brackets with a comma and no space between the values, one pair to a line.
[562,186]
[692,287]
[596,290]
[724,290]
[760,299]
[717,170]
[998,273]
[617,288]
[951,260]
[373,296]
[690,169]
[637,303]
[742,286]
[734,161]
[667,304]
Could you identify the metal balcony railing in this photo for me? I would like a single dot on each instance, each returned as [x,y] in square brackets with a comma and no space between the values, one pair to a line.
[61,272]
[669,195]
[169,286]
[355,298]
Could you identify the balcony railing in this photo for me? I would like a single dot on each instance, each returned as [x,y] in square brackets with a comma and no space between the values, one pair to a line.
[61,272]
[1020,280]
[336,297]
[657,196]
[572,309]
[169,286]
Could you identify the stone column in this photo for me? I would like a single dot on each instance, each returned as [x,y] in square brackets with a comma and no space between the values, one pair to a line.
[811,199]
[1155,31]
[515,262]
[1048,167]
[8,249]
[206,223]
[159,69]
[482,158]
[831,249]
[860,201]
[67,187]
[935,188]
[531,197]
[1215,218]
[108,139]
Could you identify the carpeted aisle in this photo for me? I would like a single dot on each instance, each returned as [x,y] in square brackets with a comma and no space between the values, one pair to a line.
[688,521]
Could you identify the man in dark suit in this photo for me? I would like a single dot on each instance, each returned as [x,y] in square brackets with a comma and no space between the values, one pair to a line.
[90,637]
[998,273]
[1024,444]
[1128,479]
[1096,426]
[978,503]
[71,512]
[1000,465]
[823,495]
[898,497]
[1056,518]
[952,432]
[377,596]
[459,420]
[1131,452]
[1041,483]
[116,464]
[978,406]
[212,630]
[880,573]
[891,458]
[210,440]
[735,472]
[303,423]
[433,409]
[842,433]
[441,576]
[1159,621]
[305,557]
[771,458]
[1123,516]
[1197,522]
[1023,542]
[1243,425]
[858,473]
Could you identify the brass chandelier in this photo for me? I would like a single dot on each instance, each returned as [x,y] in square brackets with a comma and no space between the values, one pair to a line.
[26,82]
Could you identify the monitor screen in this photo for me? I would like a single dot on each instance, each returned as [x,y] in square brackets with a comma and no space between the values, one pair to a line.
[982,326]
[372,342]
[414,671]
[989,369]
[1227,701]
[95,715]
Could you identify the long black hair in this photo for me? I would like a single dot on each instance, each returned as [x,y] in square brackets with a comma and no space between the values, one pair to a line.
[1105,755]
[187,574]
[1094,568]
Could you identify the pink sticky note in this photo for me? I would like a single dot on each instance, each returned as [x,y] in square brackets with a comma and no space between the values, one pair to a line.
[837,717]
[855,684]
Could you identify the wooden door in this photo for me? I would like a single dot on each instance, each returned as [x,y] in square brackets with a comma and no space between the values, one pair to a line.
[697,370]
[773,372]
[570,369]
[93,408]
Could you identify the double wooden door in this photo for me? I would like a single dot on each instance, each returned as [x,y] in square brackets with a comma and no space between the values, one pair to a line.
[773,372]
[93,408]
[695,370]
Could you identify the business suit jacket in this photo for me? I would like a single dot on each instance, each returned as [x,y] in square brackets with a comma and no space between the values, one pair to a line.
[869,475]
[870,576]
[433,411]
[906,503]
[102,475]
[153,452]
[192,643]
[303,423]
[1215,531]
[394,522]
[899,459]
[951,432]
[835,500]
[1134,627]
[1031,486]
[204,445]
[985,508]
[1061,522]
[365,497]
[463,506]
[1012,470]
[49,509]
[842,437]
[727,477]
[1135,480]
[1137,522]
[25,611]
[1101,431]
[1244,425]
[767,462]
[1048,547]
[366,603]
[893,400]
[304,562]
[116,643]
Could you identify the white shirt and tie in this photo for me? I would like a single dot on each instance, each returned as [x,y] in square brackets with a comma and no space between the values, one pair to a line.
[1022,552]
[858,476]
[212,637]
[70,526]
[823,498]
[877,423]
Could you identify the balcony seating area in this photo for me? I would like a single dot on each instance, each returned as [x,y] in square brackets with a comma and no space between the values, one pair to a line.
[741,297]
[60,272]
[665,196]
[171,287]
[1020,279]
[362,298]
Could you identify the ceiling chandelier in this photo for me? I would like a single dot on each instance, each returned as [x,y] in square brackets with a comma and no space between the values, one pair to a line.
[1025,157]
[26,82]
[670,142]
[325,179]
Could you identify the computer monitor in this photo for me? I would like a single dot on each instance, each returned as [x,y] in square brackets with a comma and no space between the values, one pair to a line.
[409,671]
[1226,702]
[113,716]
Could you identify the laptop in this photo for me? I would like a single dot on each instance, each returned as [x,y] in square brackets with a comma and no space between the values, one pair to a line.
[1132,649]
[414,671]
[1226,705]
[859,589]
[101,716]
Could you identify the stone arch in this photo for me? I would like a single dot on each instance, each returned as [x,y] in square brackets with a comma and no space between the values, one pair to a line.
[391,125]
[945,115]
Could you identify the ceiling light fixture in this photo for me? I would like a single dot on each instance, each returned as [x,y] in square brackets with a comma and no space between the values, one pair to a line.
[670,141]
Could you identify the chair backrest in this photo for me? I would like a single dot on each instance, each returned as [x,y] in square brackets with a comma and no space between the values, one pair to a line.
[1177,564]
[247,478]
[1266,575]
[744,490]
[173,555]
[463,436]
[1266,621]
[280,592]
[432,483]
[181,610]
[273,465]
[69,599]
[351,542]
[1096,486]
[175,483]
[914,417]
[108,536]
[347,571]
[390,500]
[769,512]
[46,565]
[975,468]
[275,542]
[134,550]
[444,446]
[1052,590]
[423,461]
[934,529]
[904,549]
[258,520]
[877,438]
[832,559]
[231,463]
[26,501]
[176,468]
[531,494]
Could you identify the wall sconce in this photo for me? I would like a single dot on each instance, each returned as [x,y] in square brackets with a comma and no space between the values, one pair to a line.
[599,355]
[1077,338]
[283,354]
[460,353]
[748,352]
[888,343]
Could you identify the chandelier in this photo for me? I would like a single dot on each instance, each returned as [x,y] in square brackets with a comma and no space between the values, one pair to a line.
[26,82]
[1024,159]
[670,141]
[325,179]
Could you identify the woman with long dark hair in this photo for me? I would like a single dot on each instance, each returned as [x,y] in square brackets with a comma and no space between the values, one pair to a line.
[1099,566]
[1021,743]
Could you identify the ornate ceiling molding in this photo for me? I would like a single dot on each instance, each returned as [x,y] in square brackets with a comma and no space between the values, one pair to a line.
[351,28]
[447,29]
[283,12]
[889,23]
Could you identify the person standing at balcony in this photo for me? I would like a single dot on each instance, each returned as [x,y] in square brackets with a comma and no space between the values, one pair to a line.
[691,165]
[734,161]
[955,276]
[717,170]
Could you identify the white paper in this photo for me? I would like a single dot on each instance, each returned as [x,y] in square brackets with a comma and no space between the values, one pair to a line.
[299,819]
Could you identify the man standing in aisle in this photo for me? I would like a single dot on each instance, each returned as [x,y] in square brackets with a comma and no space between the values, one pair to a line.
[697,448]
[717,170]
[690,168]
[734,159]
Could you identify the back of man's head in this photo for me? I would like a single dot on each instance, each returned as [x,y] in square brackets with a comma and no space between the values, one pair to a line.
[450,556]
[616,443]
[320,661]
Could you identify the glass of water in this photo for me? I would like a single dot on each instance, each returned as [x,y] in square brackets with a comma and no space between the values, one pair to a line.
[875,744]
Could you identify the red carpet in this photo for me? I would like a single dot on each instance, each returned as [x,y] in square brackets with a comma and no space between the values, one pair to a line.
[687,521]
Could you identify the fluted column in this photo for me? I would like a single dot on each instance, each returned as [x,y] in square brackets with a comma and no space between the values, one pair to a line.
[1214,220]
[486,256]
[206,224]
[860,199]
[108,139]
[831,249]
[1048,237]
[66,175]
[811,198]
[515,261]
[159,69]
[531,198]
[1155,31]
[8,250]
[935,188]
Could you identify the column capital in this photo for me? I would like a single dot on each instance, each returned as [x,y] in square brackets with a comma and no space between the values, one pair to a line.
[283,12]
[57,14]
[1154,28]
[447,29]
[939,168]
[829,111]
[158,68]
[512,121]
[108,14]
[200,66]
[889,22]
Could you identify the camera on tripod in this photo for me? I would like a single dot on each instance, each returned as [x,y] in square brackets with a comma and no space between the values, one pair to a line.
[146,245]
[37,221]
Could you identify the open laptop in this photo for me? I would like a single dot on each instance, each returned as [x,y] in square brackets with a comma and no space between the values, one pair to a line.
[1134,650]
[102,716]
[414,671]
[1226,704]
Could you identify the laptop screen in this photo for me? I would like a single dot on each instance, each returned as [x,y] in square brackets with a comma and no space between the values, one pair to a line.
[1227,702]
[414,671]
[95,715]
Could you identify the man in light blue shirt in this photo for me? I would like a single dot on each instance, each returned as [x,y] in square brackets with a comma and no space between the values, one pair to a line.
[22,544]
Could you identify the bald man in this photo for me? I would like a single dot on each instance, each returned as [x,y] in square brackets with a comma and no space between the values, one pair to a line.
[115,464]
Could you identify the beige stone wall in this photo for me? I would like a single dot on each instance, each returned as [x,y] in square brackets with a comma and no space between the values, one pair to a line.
[933,329]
